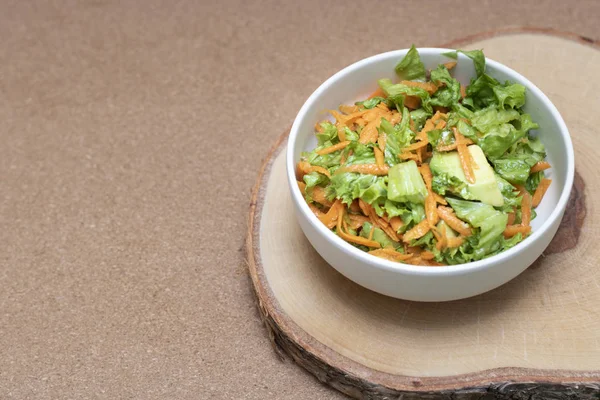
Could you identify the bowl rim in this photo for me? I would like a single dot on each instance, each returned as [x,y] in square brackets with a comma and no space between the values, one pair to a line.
[410,269]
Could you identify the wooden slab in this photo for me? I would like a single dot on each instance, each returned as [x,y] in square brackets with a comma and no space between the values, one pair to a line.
[538,335]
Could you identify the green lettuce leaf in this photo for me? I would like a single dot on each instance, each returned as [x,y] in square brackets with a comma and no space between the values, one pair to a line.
[370,103]
[511,195]
[313,179]
[397,137]
[444,184]
[419,116]
[348,186]
[488,118]
[326,160]
[478,60]
[329,135]
[351,135]
[533,181]
[509,95]
[411,67]
[361,154]
[410,213]
[480,92]
[501,129]
[491,224]
[513,170]
[449,93]
[406,183]
[397,92]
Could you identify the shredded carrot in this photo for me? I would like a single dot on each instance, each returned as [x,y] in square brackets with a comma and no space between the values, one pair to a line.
[438,116]
[432,263]
[318,195]
[412,102]
[455,242]
[463,91]
[414,250]
[378,157]
[431,210]
[521,189]
[378,93]
[364,207]
[440,125]
[371,169]
[450,64]
[540,192]
[417,260]
[372,232]
[383,106]
[416,146]
[420,155]
[447,214]
[539,166]
[511,218]
[381,141]
[465,156]
[390,254]
[369,133]
[348,109]
[352,238]
[526,209]
[395,118]
[426,174]
[442,241]
[439,199]
[302,186]
[315,210]
[430,87]
[331,217]
[409,156]
[416,231]
[427,255]
[396,223]
[377,221]
[334,148]
[392,233]
[318,126]
[306,168]
[343,158]
[453,146]
[356,221]
[512,230]
[429,126]
[412,125]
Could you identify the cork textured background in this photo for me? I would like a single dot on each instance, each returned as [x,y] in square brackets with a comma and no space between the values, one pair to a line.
[131,134]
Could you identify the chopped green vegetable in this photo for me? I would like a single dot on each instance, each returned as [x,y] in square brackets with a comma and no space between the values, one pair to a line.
[406,183]
[411,67]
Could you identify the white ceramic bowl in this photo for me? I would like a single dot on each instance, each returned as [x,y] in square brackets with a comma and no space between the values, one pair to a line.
[422,283]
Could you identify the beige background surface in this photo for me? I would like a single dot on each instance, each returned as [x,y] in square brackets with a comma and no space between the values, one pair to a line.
[130,137]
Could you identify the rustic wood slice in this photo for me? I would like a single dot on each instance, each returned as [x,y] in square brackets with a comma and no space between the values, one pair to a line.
[537,337]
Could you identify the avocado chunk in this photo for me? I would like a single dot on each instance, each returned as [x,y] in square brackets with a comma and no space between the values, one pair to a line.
[406,184]
[485,188]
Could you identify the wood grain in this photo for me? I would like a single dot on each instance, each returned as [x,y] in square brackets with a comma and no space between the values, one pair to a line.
[534,338]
